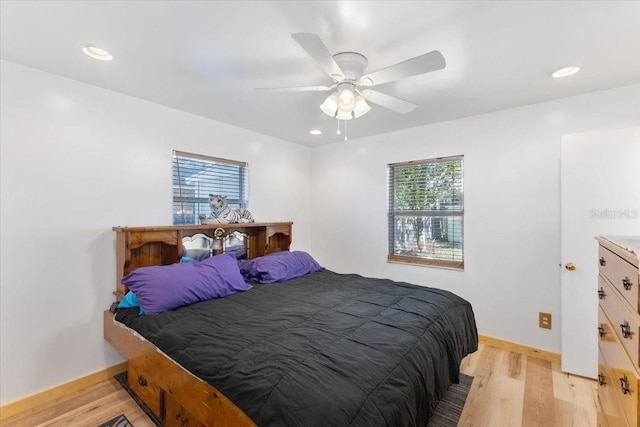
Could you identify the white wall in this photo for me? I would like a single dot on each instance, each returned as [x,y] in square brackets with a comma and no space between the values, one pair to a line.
[512,204]
[75,161]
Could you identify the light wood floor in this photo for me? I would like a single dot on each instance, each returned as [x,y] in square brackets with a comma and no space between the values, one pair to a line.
[89,407]
[509,389]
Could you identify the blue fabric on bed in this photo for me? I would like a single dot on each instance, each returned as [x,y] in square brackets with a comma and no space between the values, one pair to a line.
[130,300]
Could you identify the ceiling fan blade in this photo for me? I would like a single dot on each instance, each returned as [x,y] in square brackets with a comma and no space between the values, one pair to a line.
[295,89]
[319,52]
[388,101]
[426,63]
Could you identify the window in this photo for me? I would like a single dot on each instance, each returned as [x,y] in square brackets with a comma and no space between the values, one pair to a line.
[426,212]
[196,176]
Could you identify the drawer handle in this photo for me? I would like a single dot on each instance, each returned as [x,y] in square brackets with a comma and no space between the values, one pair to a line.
[626,330]
[601,331]
[142,381]
[626,283]
[601,379]
[601,293]
[602,261]
[624,384]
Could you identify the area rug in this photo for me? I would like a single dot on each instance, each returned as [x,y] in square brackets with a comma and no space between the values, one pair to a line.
[446,414]
[119,421]
[449,409]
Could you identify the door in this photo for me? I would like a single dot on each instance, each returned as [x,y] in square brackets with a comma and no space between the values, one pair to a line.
[600,195]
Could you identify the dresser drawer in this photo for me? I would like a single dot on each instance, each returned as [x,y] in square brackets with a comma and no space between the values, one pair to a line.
[610,411]
[625,323]
[622,374]
[621,274]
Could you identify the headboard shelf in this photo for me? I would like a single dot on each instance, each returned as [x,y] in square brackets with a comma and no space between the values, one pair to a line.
[146,246]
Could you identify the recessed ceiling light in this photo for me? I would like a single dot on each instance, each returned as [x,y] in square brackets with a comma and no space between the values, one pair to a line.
[97,53]
[315,132]
[565,72]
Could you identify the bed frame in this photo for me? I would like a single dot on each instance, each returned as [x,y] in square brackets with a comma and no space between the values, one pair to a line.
[174,395]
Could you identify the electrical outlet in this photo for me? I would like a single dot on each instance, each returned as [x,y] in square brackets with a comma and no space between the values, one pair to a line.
[544,320]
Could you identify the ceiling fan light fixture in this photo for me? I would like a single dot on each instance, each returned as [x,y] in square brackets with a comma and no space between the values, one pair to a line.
[333,105]
[346,99]
[361,108]
[330,105]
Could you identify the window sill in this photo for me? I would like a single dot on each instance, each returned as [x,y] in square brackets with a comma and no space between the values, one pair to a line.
[452,265]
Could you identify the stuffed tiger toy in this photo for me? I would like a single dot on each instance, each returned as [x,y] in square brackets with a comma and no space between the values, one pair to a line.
[221,213]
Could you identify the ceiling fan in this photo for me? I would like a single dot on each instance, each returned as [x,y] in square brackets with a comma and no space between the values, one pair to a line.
[351,87]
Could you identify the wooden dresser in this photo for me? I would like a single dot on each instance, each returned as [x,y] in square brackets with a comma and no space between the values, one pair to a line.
[619,332]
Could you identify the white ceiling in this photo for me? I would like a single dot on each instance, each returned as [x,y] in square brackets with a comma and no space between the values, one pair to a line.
[206,57]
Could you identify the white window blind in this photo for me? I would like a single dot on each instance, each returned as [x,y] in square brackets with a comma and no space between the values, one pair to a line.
[196,176]
[426,212]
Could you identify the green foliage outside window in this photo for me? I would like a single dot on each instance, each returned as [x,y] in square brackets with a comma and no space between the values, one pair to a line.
[426,212]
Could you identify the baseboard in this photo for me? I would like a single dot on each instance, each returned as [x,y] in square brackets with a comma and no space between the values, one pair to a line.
[549,356]
[53,393]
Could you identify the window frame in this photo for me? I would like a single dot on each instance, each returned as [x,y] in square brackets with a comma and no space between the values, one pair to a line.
[392,214]
[178,198]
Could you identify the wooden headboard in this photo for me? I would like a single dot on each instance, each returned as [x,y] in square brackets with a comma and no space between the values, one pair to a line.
[145,246]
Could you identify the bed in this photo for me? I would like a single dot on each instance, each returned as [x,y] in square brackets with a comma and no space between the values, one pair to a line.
[323,349]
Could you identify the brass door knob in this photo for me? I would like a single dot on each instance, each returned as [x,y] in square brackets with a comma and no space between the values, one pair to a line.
[570,266]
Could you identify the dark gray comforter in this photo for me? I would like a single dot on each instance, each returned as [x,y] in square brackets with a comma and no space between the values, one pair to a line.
[325,349]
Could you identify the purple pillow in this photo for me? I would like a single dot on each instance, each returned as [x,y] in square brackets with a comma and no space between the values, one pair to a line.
[279,266]
[164,287]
